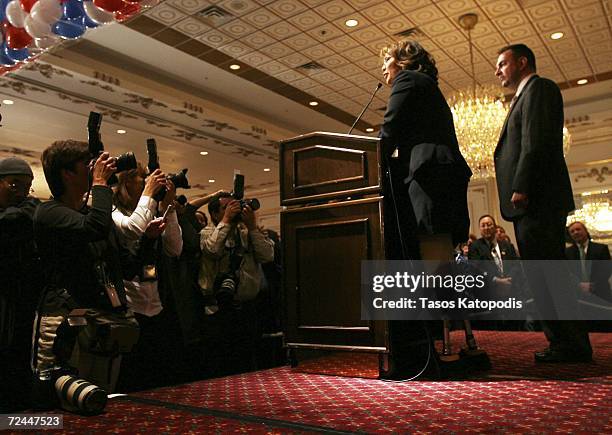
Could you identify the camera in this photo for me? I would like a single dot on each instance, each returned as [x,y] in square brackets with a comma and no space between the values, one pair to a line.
[78,395]
[124,162]
[179,179]
[238,193]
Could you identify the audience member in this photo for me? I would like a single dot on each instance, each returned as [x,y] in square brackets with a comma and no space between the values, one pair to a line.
[20,283]
[594,258]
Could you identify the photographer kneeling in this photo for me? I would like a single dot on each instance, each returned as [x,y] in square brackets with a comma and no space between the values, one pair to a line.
[83,323]
[232,250]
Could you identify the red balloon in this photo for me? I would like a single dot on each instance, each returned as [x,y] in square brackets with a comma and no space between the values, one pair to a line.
[7,69]
[26,5]
[127,11]
[16,37]
[109,5]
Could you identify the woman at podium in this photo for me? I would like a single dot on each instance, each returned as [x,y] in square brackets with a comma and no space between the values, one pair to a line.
[426,186]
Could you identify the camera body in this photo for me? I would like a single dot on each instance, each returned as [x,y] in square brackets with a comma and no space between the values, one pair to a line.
[238,193]
[124,162]
[179,179]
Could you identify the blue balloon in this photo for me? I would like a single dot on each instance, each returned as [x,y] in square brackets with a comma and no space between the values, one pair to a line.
[69,29]
[73,10]
[3,4]
[90,24]
[14,55]
[4,59]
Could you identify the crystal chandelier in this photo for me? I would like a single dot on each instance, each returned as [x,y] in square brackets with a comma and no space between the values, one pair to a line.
[479,114]
[595,211]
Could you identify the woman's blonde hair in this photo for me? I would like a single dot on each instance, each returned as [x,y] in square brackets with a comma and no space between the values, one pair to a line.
[121,197]
[411,55]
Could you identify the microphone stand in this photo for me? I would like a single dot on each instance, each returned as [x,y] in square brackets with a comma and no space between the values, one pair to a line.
[378,86]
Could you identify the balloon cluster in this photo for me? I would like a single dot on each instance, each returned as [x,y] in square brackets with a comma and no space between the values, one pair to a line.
[30,27]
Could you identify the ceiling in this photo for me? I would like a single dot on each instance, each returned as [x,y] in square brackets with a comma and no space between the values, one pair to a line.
[165,74]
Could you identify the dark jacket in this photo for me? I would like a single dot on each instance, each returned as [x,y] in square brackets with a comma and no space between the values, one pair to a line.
[529,155]
[73,243]
[600,269]
[419,123]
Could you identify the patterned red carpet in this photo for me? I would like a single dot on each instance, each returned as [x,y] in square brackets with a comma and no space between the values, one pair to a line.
[516,396]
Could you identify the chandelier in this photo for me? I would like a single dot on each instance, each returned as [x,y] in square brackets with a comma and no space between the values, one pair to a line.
[479,114]
[595,212]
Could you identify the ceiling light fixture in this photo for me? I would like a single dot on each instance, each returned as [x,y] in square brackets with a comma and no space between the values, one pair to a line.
[556,35]
[203,153]
[313,103]
[8,102]
[121,131]
[369,129]
[351,23]
[234,66]
[266,169]
[582,81]
[211,181]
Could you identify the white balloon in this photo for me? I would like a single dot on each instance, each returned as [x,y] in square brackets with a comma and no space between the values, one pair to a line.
[14,14]
[46,11]
[36,29]
[46,42]
[97,15]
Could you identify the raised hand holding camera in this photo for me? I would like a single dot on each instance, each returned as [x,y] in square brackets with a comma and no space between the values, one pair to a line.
[232,209]
[103,168]
[155,182]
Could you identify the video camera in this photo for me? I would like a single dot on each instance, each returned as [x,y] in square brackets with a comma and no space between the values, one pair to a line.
[124,162]
[179,179]
[238,193]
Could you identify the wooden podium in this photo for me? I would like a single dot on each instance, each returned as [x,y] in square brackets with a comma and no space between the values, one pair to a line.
[330,188]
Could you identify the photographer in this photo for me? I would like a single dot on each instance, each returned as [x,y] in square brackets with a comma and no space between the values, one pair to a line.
[187,293]
[147,238]
[81,258]
[234,246]
[20,284]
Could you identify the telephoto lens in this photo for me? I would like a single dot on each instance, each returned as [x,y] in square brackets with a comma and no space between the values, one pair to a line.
[78,395]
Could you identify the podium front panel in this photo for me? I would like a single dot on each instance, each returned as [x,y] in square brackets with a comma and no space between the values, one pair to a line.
[323,247]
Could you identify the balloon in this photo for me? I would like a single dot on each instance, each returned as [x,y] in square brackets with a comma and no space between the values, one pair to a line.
[7,69]
[3,4]
[4,59]
[16,37]
[127,11]
[14,14]
[26,5]
[46,42]
[69,29]
[73,10]
[109,5]
[36,29]
[15,55]
[97,15]
[46,11]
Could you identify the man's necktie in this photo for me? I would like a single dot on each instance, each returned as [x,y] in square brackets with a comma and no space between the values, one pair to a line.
[583,264]
[497,260]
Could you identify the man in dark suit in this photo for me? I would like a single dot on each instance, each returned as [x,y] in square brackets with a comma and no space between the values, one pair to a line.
[535,191]
[489,249]
[593,276]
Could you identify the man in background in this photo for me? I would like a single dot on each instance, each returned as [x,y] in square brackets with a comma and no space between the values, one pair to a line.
[20,282]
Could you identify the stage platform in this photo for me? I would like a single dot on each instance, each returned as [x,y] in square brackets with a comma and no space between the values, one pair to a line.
[516,396]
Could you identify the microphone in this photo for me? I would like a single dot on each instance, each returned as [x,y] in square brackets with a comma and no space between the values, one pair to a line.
[378,86]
